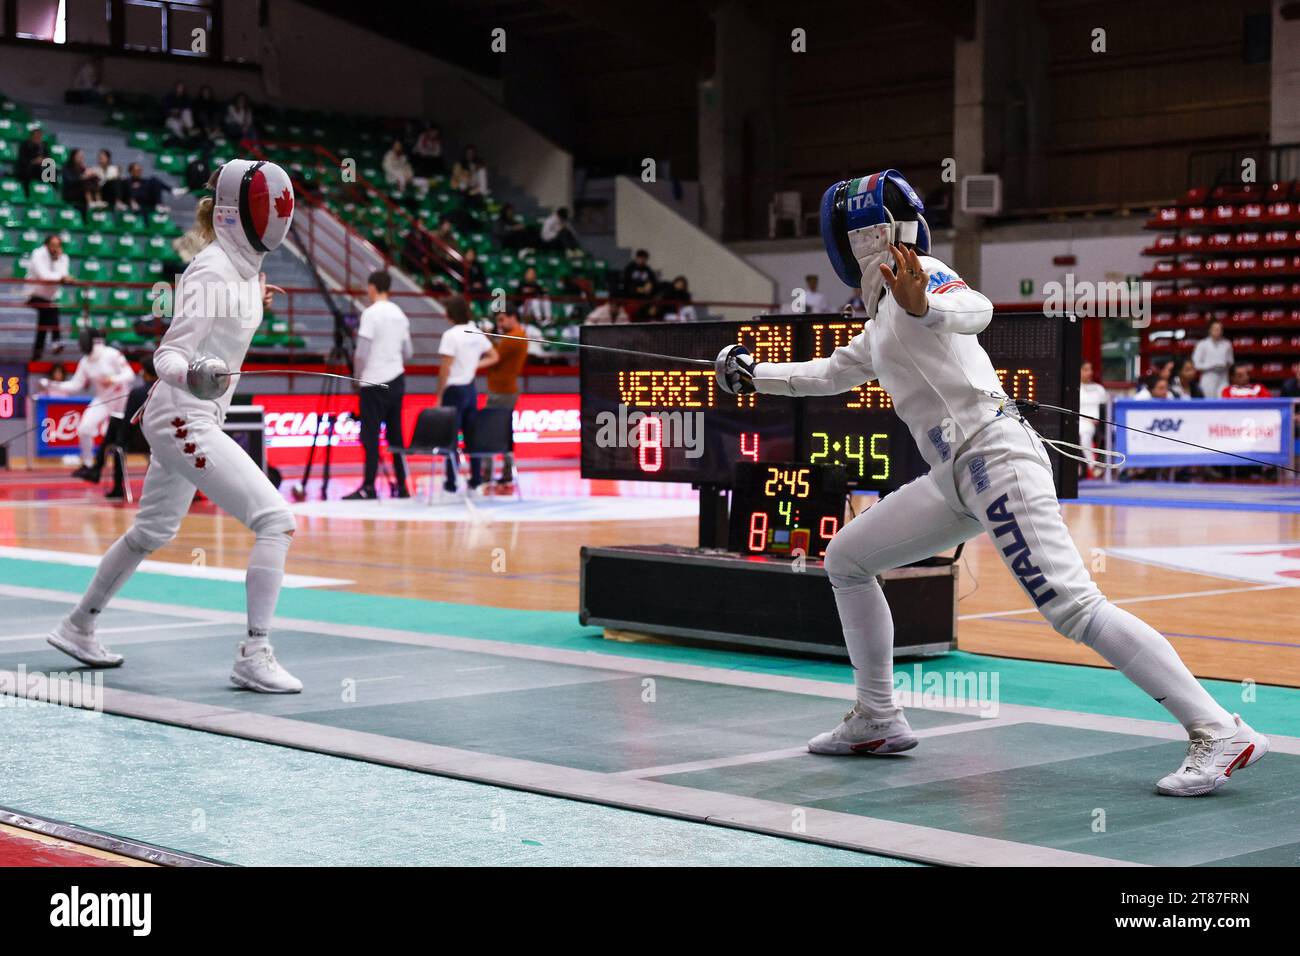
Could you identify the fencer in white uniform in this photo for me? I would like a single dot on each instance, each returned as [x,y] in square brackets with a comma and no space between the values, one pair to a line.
[989,472]
[105,373]
[217,308]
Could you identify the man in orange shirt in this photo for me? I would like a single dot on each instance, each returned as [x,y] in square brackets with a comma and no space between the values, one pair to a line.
[503,381]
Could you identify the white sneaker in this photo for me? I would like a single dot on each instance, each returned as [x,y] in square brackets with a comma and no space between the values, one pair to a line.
[1210,761]
[260,671]
[83,645]
[860,734]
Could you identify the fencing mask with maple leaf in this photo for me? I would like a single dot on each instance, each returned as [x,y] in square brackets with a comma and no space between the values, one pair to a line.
[252,209]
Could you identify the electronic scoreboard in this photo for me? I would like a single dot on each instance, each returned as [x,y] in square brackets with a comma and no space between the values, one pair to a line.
[651,419]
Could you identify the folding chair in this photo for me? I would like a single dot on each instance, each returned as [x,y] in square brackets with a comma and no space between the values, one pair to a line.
[435,436]
[490,434]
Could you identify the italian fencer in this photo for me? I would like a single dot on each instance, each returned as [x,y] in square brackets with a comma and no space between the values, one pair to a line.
[217,308]
[107,375]
[989,472]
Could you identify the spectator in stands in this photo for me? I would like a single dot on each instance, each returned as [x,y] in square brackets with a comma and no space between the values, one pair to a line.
[102,182]
[503,382]
[1241,386]
[854,306]
[239,119]
[640,283]
[74,176]
[1159,389]
[49,269]
[679,298]
[140,192]
[469,175]
[1092,396]
[474,278]
[1183,381]
[88,83]
[1212,358]
[536,305]
[30,163]
[178,116]
[207,114]
[397,168]
[445,233]
[58,372]
[1291,387]
[510,231]
[465,352]
[556,232]
[177,99]
[426,153]
[609,312]
[814,302]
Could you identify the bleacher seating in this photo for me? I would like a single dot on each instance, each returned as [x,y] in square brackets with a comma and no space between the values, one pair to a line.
[104,246]
[312,145]
[1230,253]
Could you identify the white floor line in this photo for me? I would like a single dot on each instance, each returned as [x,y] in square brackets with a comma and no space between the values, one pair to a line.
[173,568]
[1137,600]
[101,631]
[786,753]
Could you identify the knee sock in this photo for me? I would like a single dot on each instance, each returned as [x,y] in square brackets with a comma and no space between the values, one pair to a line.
[1142,654]
[265,575]
[117,564]
[869,635]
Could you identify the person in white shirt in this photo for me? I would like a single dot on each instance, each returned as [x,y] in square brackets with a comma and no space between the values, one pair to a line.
[1212,358]
[49,269]
[465,352]
[218,307]
[1092,396]
[397,168]
[814,302]
[989,472]
[383,349]
[107,375]
[556,232]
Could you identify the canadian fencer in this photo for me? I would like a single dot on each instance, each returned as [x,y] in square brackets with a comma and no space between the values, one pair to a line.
[217,307]
[105,373]
[989,472]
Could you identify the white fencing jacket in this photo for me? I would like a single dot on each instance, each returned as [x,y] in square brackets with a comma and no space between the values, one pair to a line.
[939,377]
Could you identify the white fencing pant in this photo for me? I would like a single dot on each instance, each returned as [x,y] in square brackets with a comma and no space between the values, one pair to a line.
[1004,480]
[189,451]
[1087,441]
[93,417]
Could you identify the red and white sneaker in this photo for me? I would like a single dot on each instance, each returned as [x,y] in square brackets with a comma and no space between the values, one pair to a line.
[1211,761]
[860,734]
[83,645]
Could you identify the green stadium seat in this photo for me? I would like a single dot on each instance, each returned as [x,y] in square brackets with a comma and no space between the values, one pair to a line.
[156,247]
[173,163]
[8,241]
[102,220]
[145,140]
[128,300]
[162,224]
[91,270]
[129,246]
[94,298]
[29,239]
[43,194]
[39,217]
[132,222]
[97,244]
[73,244]
[69,219]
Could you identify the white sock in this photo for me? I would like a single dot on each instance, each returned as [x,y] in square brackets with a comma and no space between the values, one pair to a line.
[265,575]
[869,635]
[1141,653]
[117,564]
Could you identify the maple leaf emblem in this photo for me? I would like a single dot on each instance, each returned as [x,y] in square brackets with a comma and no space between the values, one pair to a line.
[284,204]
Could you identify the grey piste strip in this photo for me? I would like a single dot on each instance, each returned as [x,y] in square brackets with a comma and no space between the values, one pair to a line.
[122,846]
[599,660]
[810,824]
